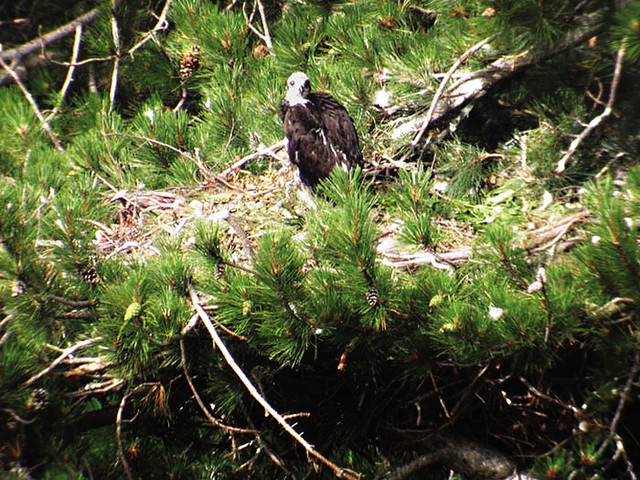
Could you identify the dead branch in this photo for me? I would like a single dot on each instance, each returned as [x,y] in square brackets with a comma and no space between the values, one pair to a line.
[69,78]
[262,152]
[32,102]
[248,19]
[115,34]
[97,388]
[162,24]
[593,124]
[64,354]
[463,456]
[204,317]
[436,98]
[121,454]
[474,85]
[16,54]
[622,401]
[535,240]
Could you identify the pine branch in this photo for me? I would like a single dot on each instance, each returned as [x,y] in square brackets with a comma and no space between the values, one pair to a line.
[596,121]
[339,472]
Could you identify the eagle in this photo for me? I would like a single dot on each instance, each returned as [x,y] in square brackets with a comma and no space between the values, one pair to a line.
[319,131]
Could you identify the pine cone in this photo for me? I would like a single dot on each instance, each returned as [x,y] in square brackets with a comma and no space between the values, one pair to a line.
[89,272]
[190,62]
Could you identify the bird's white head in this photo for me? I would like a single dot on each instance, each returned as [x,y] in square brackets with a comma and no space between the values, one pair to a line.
[298,87]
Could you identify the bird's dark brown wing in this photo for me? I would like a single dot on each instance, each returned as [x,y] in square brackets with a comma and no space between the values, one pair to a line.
[308,146]
[337,125]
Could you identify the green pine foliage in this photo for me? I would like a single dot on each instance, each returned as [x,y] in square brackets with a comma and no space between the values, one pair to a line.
[519,345]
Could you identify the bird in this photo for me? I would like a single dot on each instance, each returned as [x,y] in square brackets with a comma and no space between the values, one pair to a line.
[320,132]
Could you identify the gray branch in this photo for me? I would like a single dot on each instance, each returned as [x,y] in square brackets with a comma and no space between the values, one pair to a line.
[473,85]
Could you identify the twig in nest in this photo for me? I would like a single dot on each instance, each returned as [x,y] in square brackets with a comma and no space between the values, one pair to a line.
[339,472]
[269,151]
[206,174]
[608,109]
[243,238]
[34,105]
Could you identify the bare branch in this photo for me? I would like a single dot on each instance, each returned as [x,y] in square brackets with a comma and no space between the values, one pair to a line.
[115,34]
[473,85]
[69,77]
[204,317]
[624,397]
[436,98]
[536,240]
[121,454]
[65,353]
[16,54]
[263,152]
[593,124]
[264,35]
[34,105]
[162,24]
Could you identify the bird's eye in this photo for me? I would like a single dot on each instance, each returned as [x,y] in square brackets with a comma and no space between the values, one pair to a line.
[292,83]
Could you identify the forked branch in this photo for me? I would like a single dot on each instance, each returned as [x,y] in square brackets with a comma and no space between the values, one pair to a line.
[204,317]
[593,124]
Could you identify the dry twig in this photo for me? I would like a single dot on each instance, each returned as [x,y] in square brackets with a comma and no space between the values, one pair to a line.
[593,124]
[121,454]
[115,34]
[227,428]
[269,151]
[64,354]
[436,98]
[161,24]
[264,35]
[69,78]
